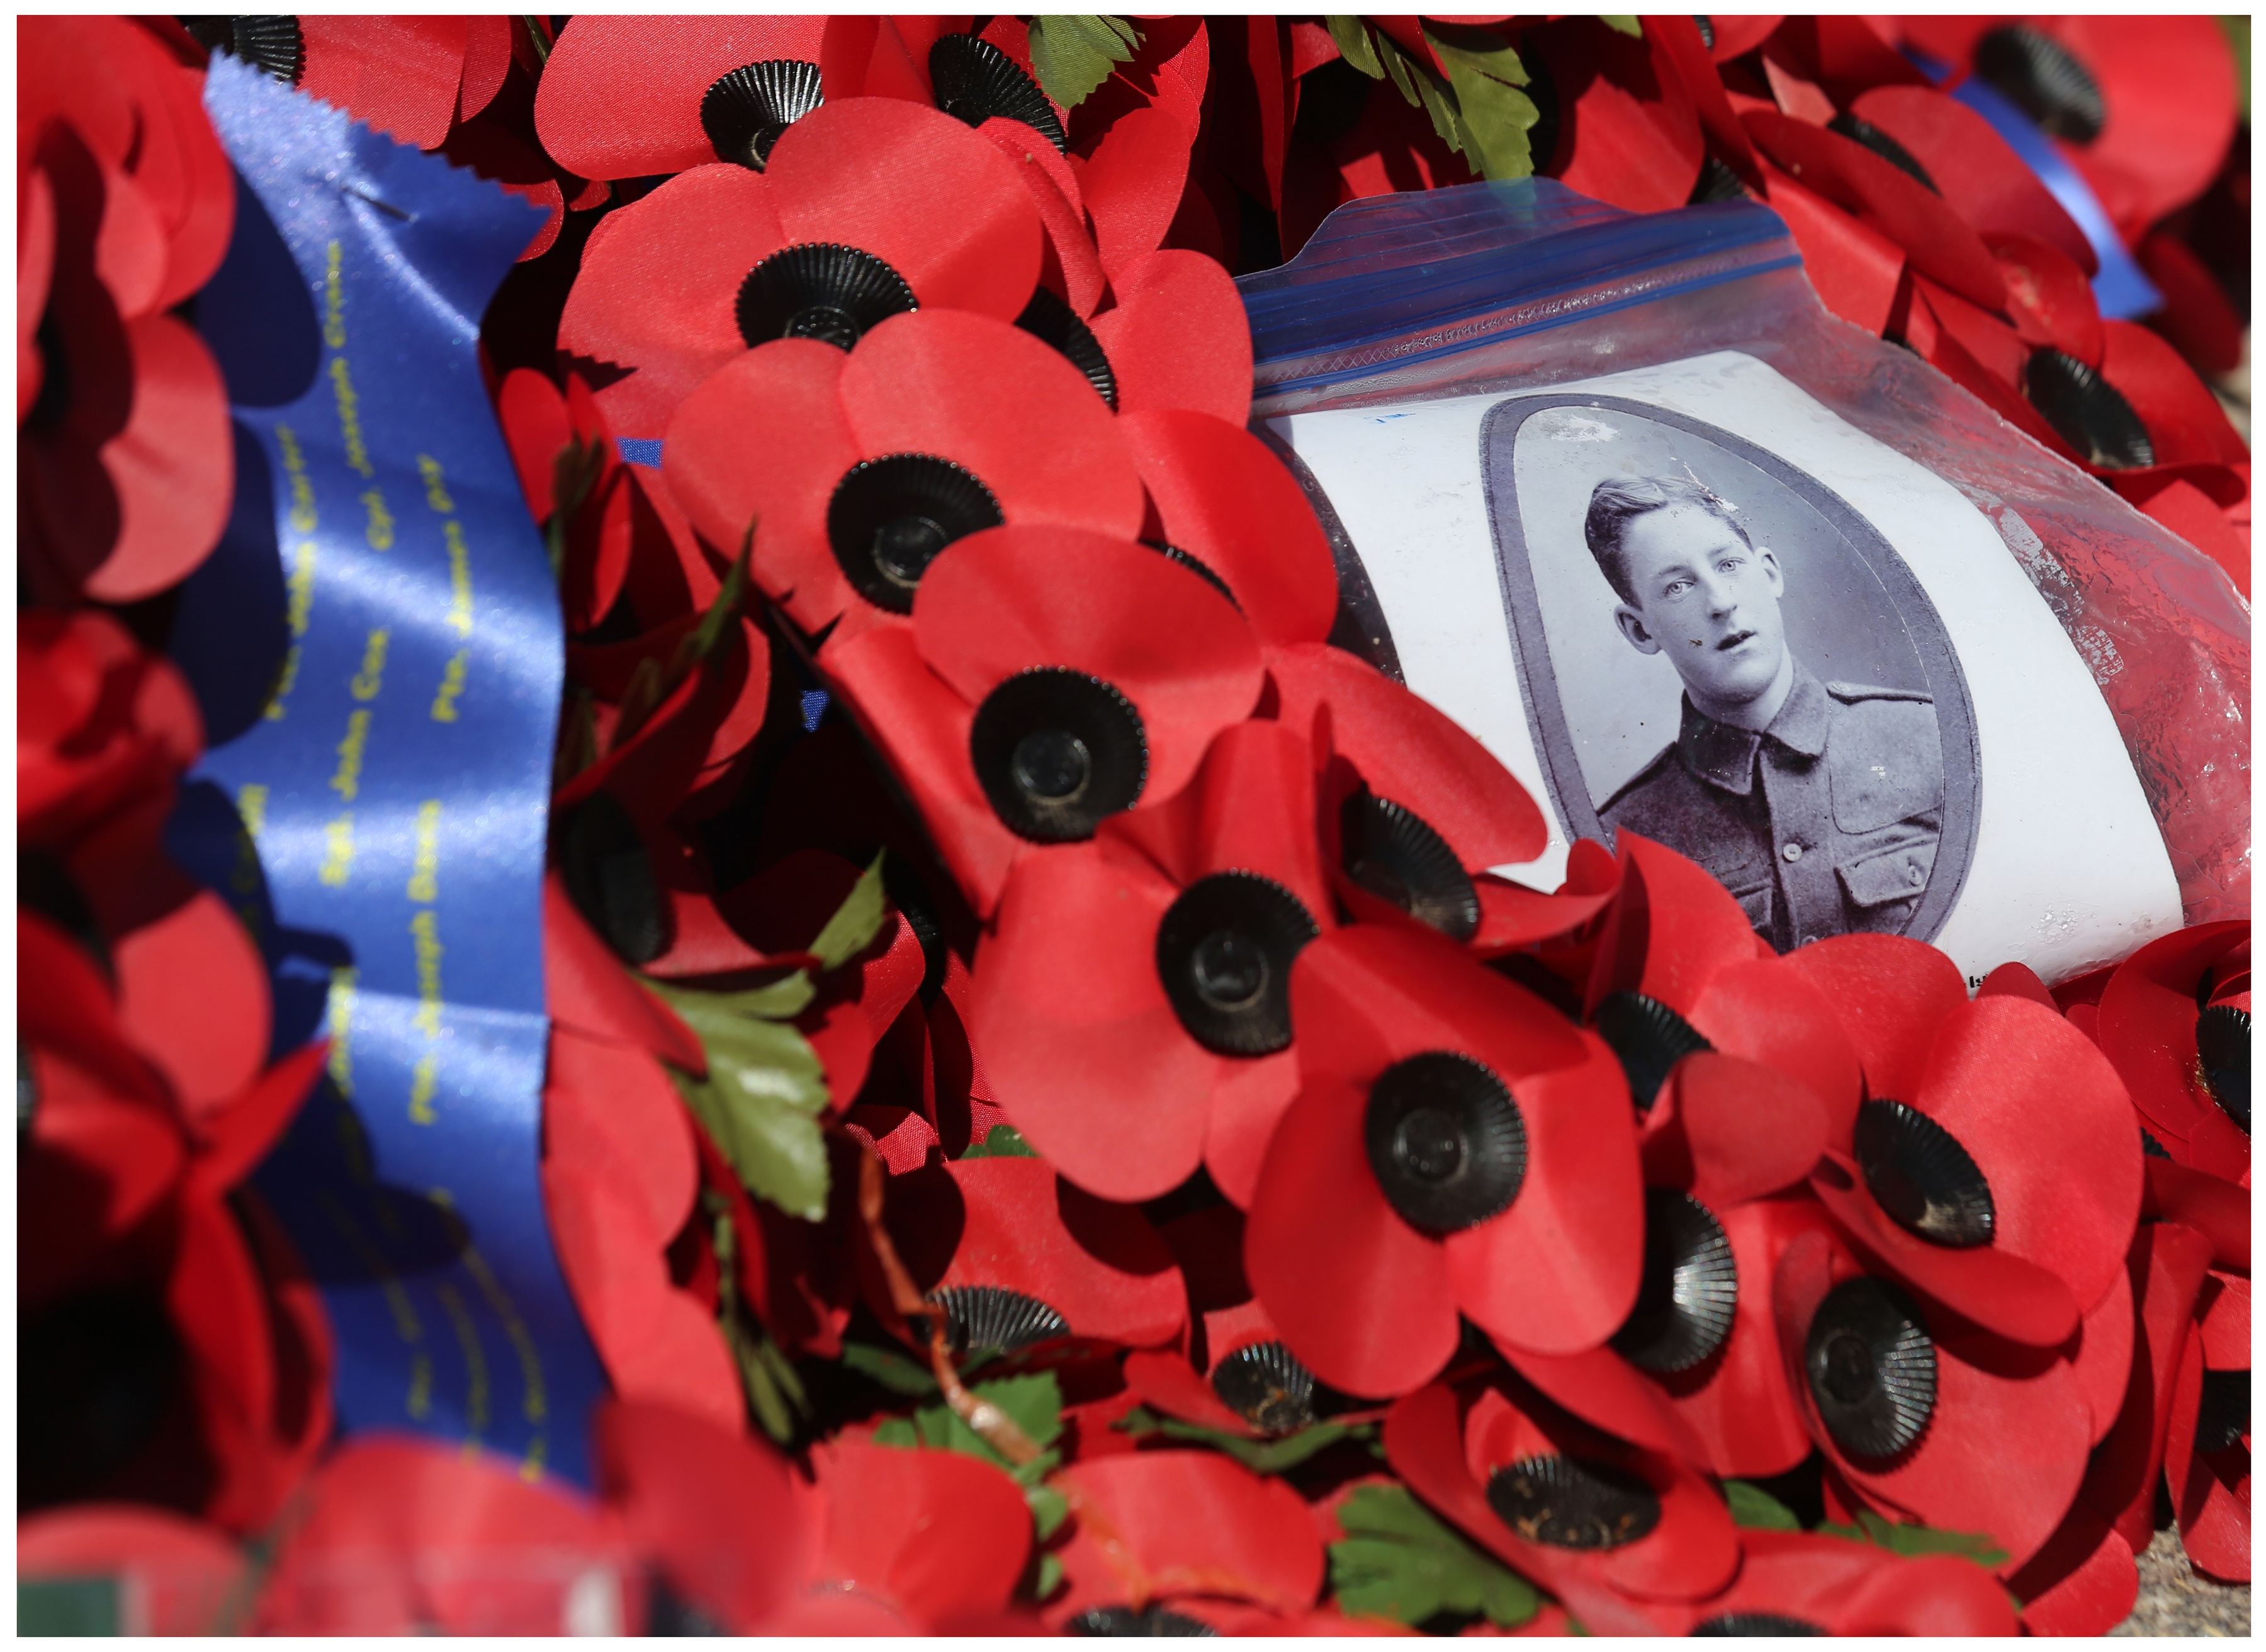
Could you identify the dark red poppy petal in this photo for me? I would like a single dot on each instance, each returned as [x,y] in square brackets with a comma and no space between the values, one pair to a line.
[718,1510]
[2000,1068]
[232,1139]
[588,990]
[1889,994]
[611,1110]
[1512,916]
[657,294]
[533,413]
[2217,1210]
[1413,754]
[1222,496]
[1773,1017]
[1079,1040]
[2082,1583]
[2172,110]
[1069,268]
[65,1006]
[1176,337]
[1854,265]
[1629,133]
[1979,176]
[1604,1390]
[786,398]
[1013,598]
[917,190]
[1856,1589]
[1734,1131]
[2212,1515]
[2169,1265]
[2005,1446]
[2017,980]
[2184,420]
[1194,1522]
[992,397]
[1557,1271]
[399,73]
[620,96]
[2102,1354]
[921,726]
[1358,1295]
[1102,1267]
[2017,1299]
[934,1533]
[2223,1314]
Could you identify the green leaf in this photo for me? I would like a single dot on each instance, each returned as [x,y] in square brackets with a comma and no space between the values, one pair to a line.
[1978,1547]
[1260,1457]
[898,1431]
[1401,1562]
[1485,75]
[1353,40]
[1620,24]
[1050,1577]
[1033,1402]
[764,1091]
[69,1605]
[1753,1506]
[892,1369]
[1049,1510]
[1002,1141]
[856,921]
[710,631]
[1072,55]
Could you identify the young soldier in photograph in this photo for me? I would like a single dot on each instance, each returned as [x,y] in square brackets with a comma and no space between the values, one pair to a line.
[1817,804]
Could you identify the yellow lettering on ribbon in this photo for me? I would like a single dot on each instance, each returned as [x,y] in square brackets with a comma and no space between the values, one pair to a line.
[424,1078]
[349,404]
[334,303]
[302,516]
[380,531]
[338,851]
[341,1028]
[460,578]
[436,493]
[452,685]
[425,874]
[346,780]
[425,929]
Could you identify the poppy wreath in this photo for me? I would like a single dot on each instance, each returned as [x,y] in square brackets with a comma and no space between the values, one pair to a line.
[1059,1113]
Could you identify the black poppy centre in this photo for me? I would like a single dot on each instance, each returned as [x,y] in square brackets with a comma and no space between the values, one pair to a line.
[2223,1048]
[1151,1620]
[609,877]
[1393,853]
[1923,1178]
[1446,1141]
[974,81]
[890,517]
[1057,752]
[1871,1369]
[1573,1502]
[1759,1623]
[980,1317]
[1223,955]
[2086,411]
[1051,321]
[1690,1295]
[822,290]
[1265,1384]
[1649,1038]
[744,112]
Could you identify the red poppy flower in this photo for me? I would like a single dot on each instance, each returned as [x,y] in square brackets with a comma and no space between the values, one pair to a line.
[407,1536]
[172,1576]
[2152,1026]
[1946,1186]
[1616,1533]
[938,425]
[1925,1416]
[1022,712]
[1015,1258]
[2207,1439]
[1677,968]
[1833,1586]
[1133,1001]
[127,468]
[2169,1265]
[1455,1145]
[937,1536]
[1354,138]
[2083,1581]
[1617,123]
[1696,1370]
[1157,1528]
[869,207]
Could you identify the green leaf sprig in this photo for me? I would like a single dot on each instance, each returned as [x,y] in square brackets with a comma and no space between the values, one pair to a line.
[1401,1562]
[1072,56]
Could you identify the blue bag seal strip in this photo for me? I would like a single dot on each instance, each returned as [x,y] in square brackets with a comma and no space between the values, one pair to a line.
[376,644]
[1441,270]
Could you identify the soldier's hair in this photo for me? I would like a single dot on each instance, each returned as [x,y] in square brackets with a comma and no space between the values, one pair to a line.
[1619,501]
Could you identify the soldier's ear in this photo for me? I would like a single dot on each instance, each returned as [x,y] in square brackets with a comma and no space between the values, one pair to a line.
[1776,574]
[1633,626]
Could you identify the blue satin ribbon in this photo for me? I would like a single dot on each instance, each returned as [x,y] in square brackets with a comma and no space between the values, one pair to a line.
[377,647]
[2120,287]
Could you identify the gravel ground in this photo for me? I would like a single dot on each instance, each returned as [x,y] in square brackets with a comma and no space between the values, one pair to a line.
[2175,1599]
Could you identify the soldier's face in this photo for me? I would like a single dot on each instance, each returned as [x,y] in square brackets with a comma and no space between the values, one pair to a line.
[1706,599]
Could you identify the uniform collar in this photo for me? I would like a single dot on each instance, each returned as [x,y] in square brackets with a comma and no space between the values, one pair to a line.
[1724,757]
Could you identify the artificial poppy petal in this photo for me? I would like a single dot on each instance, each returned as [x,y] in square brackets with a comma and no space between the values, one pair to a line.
[1248,1100]
[1997,1067]
[1740,1131]
[399,73]
[192,999]
[2103,1356]
[2209,1489]
[2082,1583]
[1078,1039]
[1168,1382]
[1629,133]
[620,96]
[2216,1209]
[1603,1389]
[1176,337]
[1188,1523]
[936,1534]
[1360,1296]
[1219,494]
[2186,425]
[1844,1588]
[1889,994]
[1854,267]
[1134,175]
[610,1109]
[590,991]
[1982,179]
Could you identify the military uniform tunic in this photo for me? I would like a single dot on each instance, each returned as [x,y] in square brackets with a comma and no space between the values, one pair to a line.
[1824,823]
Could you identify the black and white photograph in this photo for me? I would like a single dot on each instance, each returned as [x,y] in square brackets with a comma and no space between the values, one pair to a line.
[1720,653]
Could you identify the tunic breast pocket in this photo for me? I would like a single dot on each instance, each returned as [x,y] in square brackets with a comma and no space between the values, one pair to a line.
[1885,765]
[1901,873]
